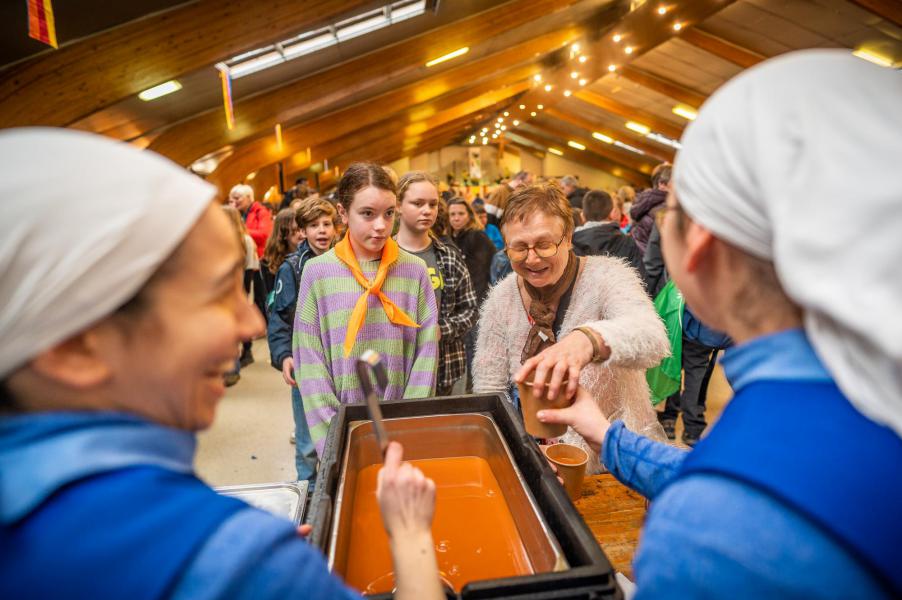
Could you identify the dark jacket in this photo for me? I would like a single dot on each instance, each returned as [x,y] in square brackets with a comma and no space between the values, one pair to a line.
[283,302]
[607,240]
[576,197]
[643,212]
[478,251]
[457,314]
[655,272]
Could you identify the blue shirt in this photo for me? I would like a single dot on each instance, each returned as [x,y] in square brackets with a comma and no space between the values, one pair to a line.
[252,554]
[708,536]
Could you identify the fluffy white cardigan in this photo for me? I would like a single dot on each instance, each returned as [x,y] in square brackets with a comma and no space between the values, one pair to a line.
[608,297]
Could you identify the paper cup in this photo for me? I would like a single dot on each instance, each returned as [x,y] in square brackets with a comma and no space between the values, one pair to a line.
[571,466]
[531,405]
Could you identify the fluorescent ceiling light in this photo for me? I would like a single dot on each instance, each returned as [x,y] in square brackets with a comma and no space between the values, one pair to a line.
[685,111]
[874,57]
[602,137]
[576,145]
[620,144]
[309,45]
[638,127]
[449,56]
[264,61]
[401,11]
[661,139]
[315,40]
[160,90]
[350,29]
[556,151]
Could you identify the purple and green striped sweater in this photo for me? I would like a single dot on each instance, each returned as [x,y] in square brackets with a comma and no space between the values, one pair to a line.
[327,295]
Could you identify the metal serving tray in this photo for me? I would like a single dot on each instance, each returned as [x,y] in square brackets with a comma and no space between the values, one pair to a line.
[443,436]
[285,500]
[589,576]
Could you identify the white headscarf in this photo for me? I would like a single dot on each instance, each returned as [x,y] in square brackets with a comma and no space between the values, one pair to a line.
[799,161]
[84,222]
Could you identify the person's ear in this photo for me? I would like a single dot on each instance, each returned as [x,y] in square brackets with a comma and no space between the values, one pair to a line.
[699,245]
[342,213]
[77,362]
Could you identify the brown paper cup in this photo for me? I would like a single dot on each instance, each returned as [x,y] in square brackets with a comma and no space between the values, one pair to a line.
[531,405]
[571,466]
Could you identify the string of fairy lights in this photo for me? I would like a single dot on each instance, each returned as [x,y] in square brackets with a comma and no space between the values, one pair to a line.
[580,74]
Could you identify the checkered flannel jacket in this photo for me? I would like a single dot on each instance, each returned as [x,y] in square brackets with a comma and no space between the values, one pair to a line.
[456,315]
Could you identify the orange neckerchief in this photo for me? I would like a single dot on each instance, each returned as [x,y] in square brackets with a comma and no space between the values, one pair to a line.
[345,254]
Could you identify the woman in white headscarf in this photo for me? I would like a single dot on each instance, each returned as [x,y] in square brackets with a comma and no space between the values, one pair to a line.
[796,490]
[117,328]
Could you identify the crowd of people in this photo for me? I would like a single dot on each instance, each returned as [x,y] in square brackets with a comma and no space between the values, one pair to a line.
[122,330]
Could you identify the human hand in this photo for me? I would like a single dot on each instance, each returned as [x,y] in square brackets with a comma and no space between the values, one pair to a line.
[288,371]
[584,416]
[406,496]
[565,359]
[304,530]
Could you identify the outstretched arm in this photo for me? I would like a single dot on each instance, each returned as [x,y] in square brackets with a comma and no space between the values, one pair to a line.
[407,502]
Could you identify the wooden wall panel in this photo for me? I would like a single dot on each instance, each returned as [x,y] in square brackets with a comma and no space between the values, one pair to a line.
[345,83]
[64,86]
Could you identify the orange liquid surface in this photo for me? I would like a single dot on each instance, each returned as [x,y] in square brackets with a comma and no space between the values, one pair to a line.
[474,533]
[566,460]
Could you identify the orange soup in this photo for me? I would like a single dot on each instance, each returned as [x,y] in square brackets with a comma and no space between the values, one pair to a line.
[474,533]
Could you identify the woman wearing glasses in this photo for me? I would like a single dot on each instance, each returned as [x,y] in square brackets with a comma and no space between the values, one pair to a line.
[584,320]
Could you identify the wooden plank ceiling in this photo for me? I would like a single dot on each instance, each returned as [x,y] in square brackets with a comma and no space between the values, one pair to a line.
[562,74]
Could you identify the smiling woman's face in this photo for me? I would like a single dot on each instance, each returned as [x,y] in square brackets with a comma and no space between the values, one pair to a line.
[535,229]
[169,367]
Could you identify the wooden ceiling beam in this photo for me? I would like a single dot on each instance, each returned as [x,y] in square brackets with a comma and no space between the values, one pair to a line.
[425,97]
[653,150]
[346,83]
[628,159]
[61,87]
[891,10]
[395,146]
[629,113]
[411,122]
[721,48]
[589,159]
[385,132]
[642,30]
[662,85]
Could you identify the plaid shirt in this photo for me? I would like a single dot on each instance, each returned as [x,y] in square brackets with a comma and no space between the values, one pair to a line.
[456,315]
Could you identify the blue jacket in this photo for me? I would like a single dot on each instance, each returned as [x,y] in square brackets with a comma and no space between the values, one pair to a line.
[283,304]
[711,534]
[106,505]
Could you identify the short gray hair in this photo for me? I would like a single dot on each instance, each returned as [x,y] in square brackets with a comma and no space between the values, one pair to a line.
[569,180]
[242,189]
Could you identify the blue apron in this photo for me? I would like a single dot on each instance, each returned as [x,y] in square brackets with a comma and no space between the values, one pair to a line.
[128,533]
[805,445]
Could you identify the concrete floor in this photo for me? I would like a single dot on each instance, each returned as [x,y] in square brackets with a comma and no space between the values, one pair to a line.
[248,442]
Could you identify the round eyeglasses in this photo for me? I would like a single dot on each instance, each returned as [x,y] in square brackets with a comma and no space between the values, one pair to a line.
[519,253]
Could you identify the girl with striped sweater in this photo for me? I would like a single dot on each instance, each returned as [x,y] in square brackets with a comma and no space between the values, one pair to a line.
[364,294]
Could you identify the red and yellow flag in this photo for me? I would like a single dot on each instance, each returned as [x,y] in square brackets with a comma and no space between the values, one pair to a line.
[40,22]
[227,97]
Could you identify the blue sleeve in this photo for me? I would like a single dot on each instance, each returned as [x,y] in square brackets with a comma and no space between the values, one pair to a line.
[256,556]
[278,329]
[638,462]
[711,537]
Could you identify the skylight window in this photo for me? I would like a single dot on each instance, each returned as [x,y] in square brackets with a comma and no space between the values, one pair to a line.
[309,42]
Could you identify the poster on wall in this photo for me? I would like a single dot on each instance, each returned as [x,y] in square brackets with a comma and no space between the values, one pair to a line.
[474,163]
